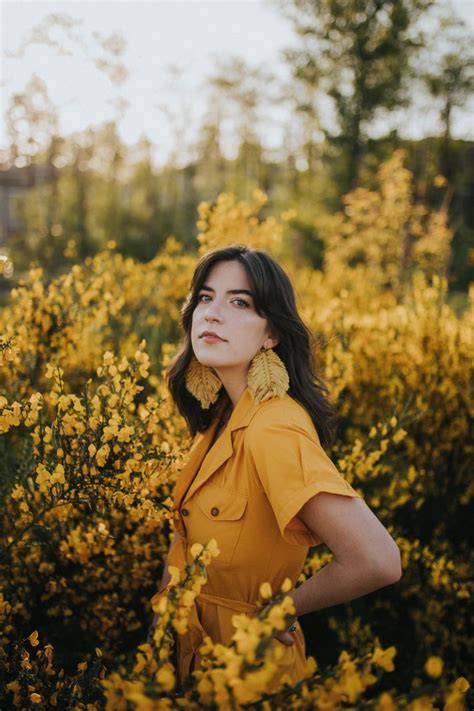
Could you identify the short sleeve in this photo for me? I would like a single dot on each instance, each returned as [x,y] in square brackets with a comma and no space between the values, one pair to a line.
[292,467]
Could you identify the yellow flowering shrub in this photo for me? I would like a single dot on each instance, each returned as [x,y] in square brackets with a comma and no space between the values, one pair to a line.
[230,221]
[90,448]
[386,231]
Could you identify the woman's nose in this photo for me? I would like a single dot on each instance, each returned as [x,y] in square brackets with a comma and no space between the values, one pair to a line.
[212,313]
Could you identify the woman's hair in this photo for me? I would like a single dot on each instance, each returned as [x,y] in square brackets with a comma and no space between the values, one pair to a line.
[274,299]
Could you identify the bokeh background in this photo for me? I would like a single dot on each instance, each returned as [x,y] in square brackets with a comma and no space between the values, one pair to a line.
[127,115]
[337,135]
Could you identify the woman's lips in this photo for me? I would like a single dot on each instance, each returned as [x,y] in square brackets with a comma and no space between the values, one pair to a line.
[211,339]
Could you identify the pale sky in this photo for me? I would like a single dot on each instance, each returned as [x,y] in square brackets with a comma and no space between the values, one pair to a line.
[189,35]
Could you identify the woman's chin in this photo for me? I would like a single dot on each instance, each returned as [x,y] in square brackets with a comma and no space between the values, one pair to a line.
[210,362]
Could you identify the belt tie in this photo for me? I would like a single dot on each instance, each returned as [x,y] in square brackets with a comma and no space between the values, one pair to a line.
[191,640]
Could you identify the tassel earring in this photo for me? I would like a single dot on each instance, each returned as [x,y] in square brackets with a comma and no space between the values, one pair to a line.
[267,376]
[202,382]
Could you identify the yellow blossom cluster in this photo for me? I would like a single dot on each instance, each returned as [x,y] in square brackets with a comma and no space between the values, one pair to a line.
[90,448]
[388,232]
[229,221]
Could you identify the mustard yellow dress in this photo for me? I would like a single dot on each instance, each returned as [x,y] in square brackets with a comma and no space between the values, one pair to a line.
[246,491]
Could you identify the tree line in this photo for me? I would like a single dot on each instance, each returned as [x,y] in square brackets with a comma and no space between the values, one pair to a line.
[355,68]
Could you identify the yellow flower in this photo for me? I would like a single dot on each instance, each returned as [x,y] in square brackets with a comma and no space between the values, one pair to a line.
[50,370]
[265,590]
[276,617]
[58,475]
[125,433]
[384,658]
[461,684]
[123,365]
[33,638]
[196,549]
[43,478]
[35,698]
[108,358]
[111,429]
[165,678]
[175,574]
[188,598]
[439,181]
[25,661]
[94,422]
[102,455]
[17,492]
[247,641]
[14,686]
[385,703]
[434,667]
[399,435]
[180,626]
[212,547]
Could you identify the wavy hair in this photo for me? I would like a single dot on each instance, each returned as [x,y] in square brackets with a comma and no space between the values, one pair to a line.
[274,299]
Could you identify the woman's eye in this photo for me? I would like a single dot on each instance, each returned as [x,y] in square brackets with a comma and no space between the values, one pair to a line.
[242,301]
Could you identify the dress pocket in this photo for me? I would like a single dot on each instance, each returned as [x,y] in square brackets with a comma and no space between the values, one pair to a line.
[221,517]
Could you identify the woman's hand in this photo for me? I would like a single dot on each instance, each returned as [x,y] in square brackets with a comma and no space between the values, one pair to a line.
[286,636]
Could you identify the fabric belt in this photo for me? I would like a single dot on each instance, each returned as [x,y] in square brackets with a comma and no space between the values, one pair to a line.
[236,605]
[191,640]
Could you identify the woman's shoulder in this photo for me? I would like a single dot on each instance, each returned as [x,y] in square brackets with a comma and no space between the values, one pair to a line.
[281,413]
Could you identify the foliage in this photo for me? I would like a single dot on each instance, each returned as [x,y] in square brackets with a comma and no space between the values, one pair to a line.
[387,231]
[359,55]
[91,447]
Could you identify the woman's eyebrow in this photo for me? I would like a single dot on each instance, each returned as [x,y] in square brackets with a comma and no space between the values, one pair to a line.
[229,291]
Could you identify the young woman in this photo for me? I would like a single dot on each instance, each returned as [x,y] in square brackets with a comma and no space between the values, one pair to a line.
[257,478]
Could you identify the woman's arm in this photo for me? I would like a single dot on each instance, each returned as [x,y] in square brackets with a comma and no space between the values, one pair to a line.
[365,555]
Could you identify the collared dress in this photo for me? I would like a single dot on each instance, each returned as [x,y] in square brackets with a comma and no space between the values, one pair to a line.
[245,490]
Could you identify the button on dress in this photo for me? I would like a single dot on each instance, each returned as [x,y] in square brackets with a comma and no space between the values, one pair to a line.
[245,490]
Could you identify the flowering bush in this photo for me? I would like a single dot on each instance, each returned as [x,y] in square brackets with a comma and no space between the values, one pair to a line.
[90,448]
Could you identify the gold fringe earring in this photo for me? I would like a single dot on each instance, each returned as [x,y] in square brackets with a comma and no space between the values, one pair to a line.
[202,382]
[267,376]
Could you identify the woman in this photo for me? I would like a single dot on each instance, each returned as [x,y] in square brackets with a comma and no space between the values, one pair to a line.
[258,479]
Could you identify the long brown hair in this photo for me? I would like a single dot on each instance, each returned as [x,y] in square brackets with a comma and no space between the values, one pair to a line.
[274,299]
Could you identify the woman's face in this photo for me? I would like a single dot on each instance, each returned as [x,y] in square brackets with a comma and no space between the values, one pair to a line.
[226,307]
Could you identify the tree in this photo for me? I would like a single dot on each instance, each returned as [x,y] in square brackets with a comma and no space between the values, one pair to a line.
[450,79]
[241,92]
[31,122]
[357,53]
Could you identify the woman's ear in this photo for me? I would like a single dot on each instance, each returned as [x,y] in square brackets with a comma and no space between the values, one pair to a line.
[271,342]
